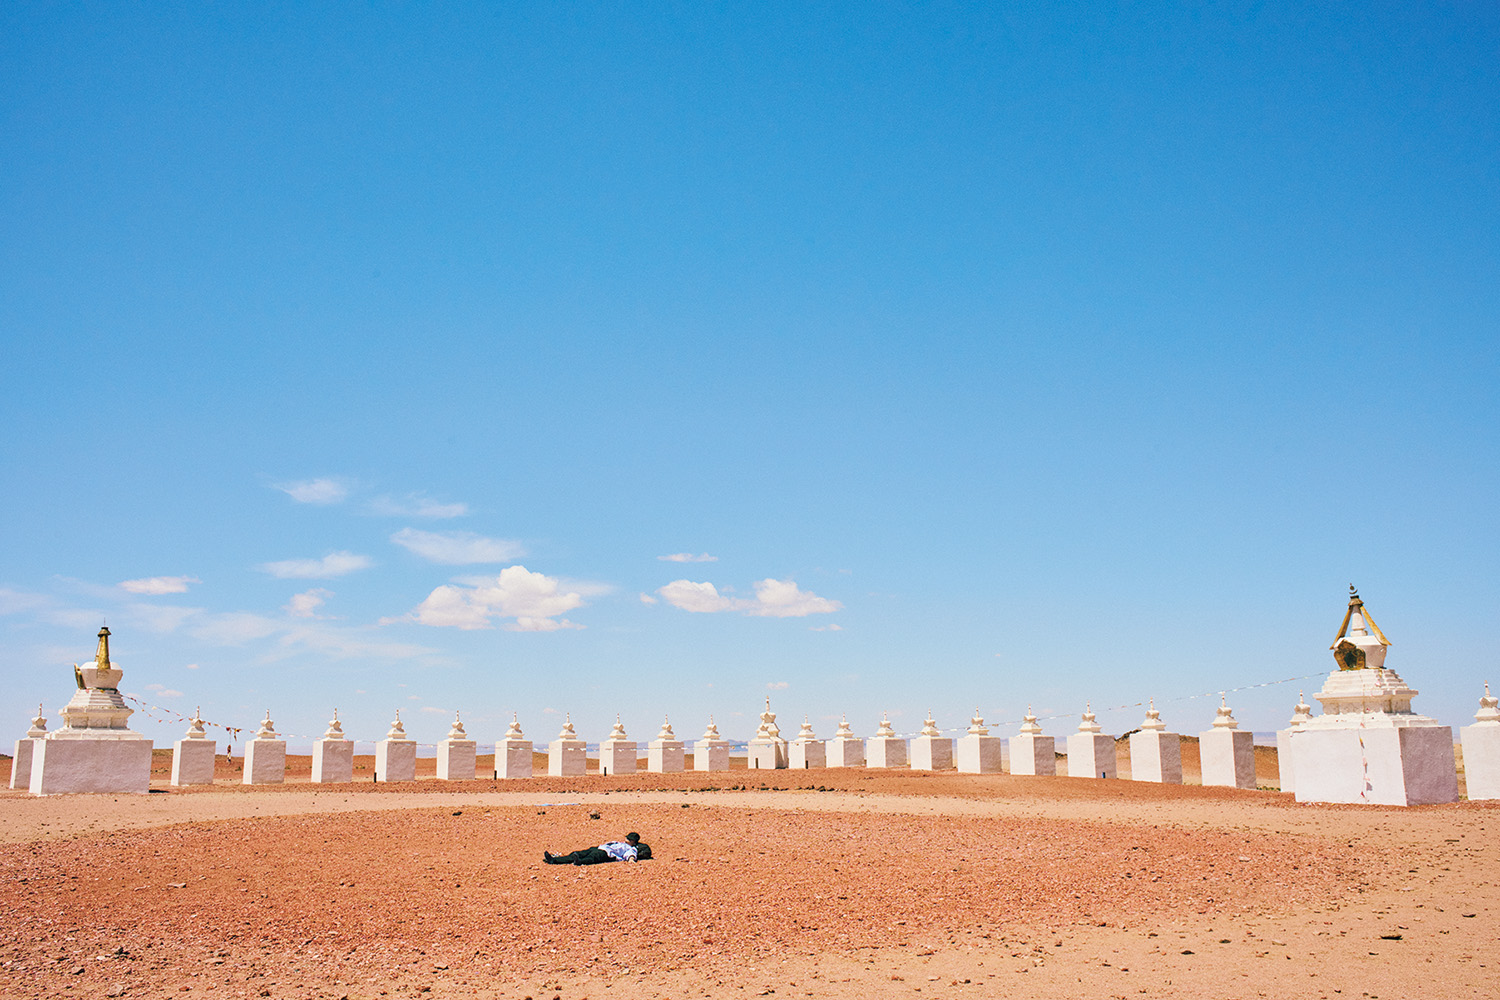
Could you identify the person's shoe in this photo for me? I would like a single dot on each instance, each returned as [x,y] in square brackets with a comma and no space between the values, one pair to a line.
[547,857]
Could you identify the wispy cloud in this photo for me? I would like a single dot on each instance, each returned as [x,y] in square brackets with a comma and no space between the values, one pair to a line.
[825,628]
[332,565]
[158,585]
[319,491]
[457,548]
[162,691]
[307,603]
[648,599]
[688,557]
[773,599]
[416,505]
[777,686]
[534,602]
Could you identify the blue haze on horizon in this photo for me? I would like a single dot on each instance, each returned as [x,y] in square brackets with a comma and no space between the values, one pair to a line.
[977,356]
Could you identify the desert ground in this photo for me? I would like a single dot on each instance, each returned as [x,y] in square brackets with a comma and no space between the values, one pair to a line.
[843,883]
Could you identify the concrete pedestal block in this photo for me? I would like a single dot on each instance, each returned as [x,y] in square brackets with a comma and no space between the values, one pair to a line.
[766,755]
[1481,761]
[617,757]
[1385,765]
[806,754]
[193,762]
[265,762]
[1227,758]
[711,755]
[1034,755]
[931,753]
[396,760]
[513,759]
[20,763]
[1156,756]
[566,758]
[885,751]
[456,760]
[60,765]
[1092,755]
[666,756]
[980,754]
[1287,773]
[333,762]
[845,753]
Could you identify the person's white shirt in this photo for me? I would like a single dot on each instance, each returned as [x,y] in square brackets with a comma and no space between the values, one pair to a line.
[618,850]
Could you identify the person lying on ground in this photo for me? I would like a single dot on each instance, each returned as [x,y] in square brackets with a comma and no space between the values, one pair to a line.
[629,849]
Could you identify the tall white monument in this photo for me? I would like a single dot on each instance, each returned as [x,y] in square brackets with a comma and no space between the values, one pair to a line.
[1368,746]
[396,755]
[978,751]
[807,750]
[94,751]
[617,754]
[711,752]
[567,756]
[767,750]
[1482,750]
[457,755]
[931,750]
[1091,752]
[513,753]
[845,749]
[193,755]
[265,756]
[1226,753]
[1030,751]
[1300,714]
[1155,754]
[885,748]
[20,764]
[666,754]
[333,755]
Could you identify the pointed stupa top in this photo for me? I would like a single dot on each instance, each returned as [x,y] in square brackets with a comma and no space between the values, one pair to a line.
[805,735]
[568,732]
[768,729]
[929,726]
[514,732]
[1088,725]
[335,728]
[1355,648]
[618,733]
[666,729]
[1029,725]
[1153,723]
[885,731]
[977,726]
[267,730]
[1224,716]
[398,731]
[195,730]
[1489,708]
[38,728]
[1302,712]
[711,734]
[457,732]
[844,732]
[101,652]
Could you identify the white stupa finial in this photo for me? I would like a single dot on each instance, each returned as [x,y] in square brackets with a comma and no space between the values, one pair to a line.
[844,732]
[1224,717]
[618,733]
[514,732]
[1489,708]
[1302,712]
[885,731]
[1029,726]
[768,729]
[805,735]
[929,725]
[568,732]
[335,728]
[1088,725]
[457,732]
[977,726]
[1153,723]
[1360,645]
[267,730]
[666,729]
[711,734]
[397,730]
[195,729]
[38,728]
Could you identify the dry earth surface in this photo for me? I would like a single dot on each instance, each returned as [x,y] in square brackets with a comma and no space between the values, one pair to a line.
[838,883]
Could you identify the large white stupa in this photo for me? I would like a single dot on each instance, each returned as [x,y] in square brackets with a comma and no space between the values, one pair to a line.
[1368,746]
[95,750]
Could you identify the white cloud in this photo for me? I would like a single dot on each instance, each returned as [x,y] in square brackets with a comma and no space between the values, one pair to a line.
[164,618]
[777,686]
[457,548]
[307,603]
[648,599]
[773,599]
[825,628]
[331,565]
[686,557]
[13,602]
[159,584]
[234,628]
[416,505]
[534,602]
[192,666]
[320,491]
[162,691]
[433,709]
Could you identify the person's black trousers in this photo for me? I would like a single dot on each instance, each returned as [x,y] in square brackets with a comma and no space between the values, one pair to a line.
[591,856]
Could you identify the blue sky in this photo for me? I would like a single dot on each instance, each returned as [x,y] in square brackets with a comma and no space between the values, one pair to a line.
[376,355]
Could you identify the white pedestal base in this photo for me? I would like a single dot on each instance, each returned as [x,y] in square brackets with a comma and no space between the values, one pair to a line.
[802,755]
[931,753]
[193,762]
[1286,775]
[265,762]
[1156,756]
[665,756]
[566,758]
[1227,758]
[710,756]
[766,755]
[111,764]
[513,759]
[1092,755]
[846,753]
[617,757]
[885,751]
[1481,760]
[20,763]
[455,760]
[333,762]
[1381,764]
[1030,754]
[980,754]
[396,760]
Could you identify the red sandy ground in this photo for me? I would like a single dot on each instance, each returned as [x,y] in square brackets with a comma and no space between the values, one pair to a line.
[828,883]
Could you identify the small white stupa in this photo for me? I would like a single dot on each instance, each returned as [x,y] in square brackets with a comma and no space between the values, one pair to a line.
[1030,751]
[1155,754]
[1482,750]
[1091,752]
[1226,753]
[807,750]
[845,749]
[396,755]
[20,763]
[978,751]
[457,755]
[711,752]
[567,756]
[265,756]
[930,750]
[767,750]
[617,754]
[94,751]
[666,753]
[1300,714]
[333,755]
[1368,746]
[513,753]
[193,755]
[885,748]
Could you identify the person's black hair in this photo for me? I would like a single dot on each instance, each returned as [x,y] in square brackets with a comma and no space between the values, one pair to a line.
[632,836]
[643,852]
